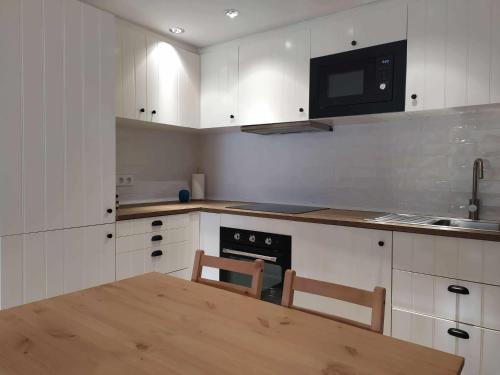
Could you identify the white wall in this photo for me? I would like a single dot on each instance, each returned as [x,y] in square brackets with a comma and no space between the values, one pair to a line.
[412,165]
[160,159]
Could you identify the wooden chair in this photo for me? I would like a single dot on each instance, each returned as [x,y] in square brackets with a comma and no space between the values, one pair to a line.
[254,269]
[375,299]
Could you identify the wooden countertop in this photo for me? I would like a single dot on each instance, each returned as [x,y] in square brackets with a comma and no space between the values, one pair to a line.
[328,216]
[156,324]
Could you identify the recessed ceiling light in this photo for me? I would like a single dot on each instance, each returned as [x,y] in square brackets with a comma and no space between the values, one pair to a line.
[176,30]
[231,13]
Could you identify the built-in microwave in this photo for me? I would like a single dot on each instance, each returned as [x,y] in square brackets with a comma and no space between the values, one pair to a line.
[367,80]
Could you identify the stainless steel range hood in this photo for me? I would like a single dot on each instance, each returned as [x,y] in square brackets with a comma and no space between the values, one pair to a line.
[287,128]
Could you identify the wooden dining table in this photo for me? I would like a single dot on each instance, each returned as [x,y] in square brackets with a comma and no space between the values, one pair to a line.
[157,324]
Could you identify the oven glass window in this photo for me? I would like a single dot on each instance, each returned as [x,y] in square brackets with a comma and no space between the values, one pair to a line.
[272,281]
[346,84]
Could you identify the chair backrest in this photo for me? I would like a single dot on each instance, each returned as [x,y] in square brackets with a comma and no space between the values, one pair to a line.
[374,299]
[254,269]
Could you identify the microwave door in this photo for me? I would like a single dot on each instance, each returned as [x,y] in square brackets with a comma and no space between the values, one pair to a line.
[343,87]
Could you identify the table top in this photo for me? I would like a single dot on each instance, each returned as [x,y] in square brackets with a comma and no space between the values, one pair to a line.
[156,324]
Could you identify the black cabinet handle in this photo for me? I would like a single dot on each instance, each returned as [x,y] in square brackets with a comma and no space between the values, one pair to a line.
[109,210]
[142,110]
[231,116]
[461,334]
[109,235]
[381,243]
[156,238]
[353,43]
[458,289]
[157,223]
[153,111]
[301,109]
[157,253]
[414,96]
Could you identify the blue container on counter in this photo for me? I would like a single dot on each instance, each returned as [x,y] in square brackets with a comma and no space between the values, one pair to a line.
[184,196]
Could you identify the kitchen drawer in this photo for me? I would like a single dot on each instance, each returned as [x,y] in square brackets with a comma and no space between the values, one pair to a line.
[480,350]
[429,295]
[184,274]
[141,241]
[148,225]
[138,262]
[455,258]
[179,256]
[176,235]
[178,221]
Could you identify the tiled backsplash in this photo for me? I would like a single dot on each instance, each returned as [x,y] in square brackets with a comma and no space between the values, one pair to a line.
[160,160]
[420,165]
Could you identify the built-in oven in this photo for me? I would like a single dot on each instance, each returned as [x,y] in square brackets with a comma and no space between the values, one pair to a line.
[274,249]
[364,81]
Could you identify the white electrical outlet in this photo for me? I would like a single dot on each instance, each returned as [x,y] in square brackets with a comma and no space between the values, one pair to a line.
[124,180]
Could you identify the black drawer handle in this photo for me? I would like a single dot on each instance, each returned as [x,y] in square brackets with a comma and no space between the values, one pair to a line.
[157,223]
[461,334]
[458,289]
[156,238]
[157,253]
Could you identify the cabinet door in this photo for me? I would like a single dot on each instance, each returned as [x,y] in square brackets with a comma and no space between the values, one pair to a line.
[219,87]
[138,41]
[89,257]
[330,253]
[189,89]
[153,77]
[451,53]
[274,77]
[168,83]
[457,258]
[11,130]
[332,34]
[210,240]
[480,350]
[46,264]
[379,23]
[490,357]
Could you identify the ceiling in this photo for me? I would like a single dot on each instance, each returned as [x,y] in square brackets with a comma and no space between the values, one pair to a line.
[205,22]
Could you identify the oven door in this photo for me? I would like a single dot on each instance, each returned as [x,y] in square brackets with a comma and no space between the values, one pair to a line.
[368,80]
[275,265]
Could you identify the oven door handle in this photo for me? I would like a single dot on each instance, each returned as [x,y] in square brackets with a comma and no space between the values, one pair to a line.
[250,255]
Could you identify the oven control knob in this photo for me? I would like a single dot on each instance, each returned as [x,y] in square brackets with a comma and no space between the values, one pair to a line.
[237,236]
[251,238]
[269,241]
[382,86]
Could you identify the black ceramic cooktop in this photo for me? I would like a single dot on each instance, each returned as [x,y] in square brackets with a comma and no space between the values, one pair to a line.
[278,208]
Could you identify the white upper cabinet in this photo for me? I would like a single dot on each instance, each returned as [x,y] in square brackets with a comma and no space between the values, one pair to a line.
[189,88]
[158,81]
[453,53]
[274,77]
[57,134]
[219,86]
[365,26]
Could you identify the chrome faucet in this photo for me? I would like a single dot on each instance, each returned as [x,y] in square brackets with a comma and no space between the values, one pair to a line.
[474,203]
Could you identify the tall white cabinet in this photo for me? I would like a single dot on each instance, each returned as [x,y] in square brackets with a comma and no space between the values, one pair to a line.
[57,142]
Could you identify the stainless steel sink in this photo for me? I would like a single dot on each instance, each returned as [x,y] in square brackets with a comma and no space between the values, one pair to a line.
[437,221]
[467,224]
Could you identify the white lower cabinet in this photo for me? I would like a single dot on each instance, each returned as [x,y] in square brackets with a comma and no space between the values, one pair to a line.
[184,274]
[356,257]
[467,302]
[480,349]
[210,224]
[166,244]
[46,264]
